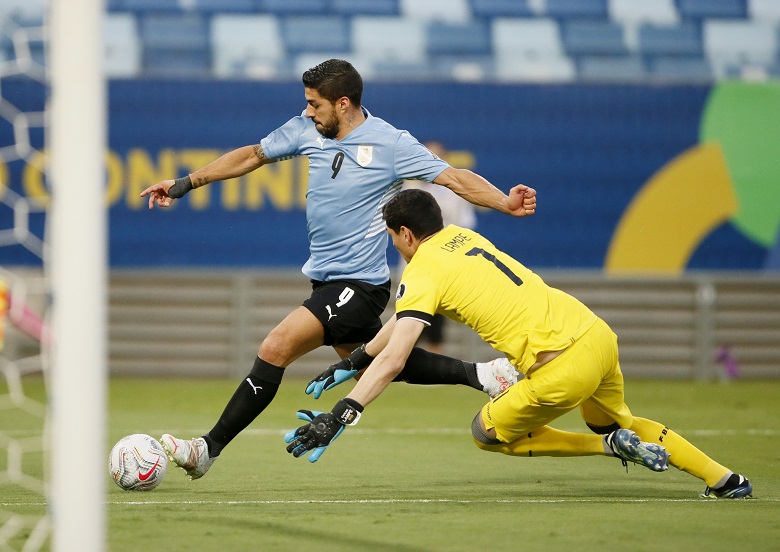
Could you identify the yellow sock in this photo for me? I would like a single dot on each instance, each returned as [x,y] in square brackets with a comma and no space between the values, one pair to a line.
[683,455]
[547,441]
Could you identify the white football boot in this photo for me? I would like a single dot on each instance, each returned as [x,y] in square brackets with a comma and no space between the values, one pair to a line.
[192,456]
[496,376]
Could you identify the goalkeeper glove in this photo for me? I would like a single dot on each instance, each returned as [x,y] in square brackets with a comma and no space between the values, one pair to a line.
[322,429]
[340,372]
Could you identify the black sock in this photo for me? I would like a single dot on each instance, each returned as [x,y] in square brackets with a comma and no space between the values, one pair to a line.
[253,395]
[425,368]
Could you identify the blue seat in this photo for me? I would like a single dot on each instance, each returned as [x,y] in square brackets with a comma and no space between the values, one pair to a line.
[677,40]
[366,7]
[577,9]
[303,7]
[707,9]
[316,34]
[611,69]
[177,32]
[679,69]
[169,63]
[143,7]
[224,6]
[501,8]
[451,39]
[175,45]
[593,38]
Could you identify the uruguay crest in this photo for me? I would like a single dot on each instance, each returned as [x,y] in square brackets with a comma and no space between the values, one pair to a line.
[365,154]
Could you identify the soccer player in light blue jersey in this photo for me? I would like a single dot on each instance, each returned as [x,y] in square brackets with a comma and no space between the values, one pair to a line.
[357,163]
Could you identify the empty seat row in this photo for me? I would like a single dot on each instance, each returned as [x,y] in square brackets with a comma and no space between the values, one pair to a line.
[658,11]
[230,44]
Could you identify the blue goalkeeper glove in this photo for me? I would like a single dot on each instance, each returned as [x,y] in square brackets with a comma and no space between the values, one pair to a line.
[345,369]
[322,429]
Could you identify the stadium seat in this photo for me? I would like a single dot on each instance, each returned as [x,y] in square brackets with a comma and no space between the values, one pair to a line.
[390,39]
[764,10]
[394,71]
[464,68]
[222,6]
[679,69]
[283,7]
[144,7]
[593,38]
[512,68]
[315,34]
[436,10]
[175,45]
[122,47]
[451,39]
[243,44]
[530,49]
[529,38]
[366,7]
[705,9]
[739,43]
[631,12]
[678,40]
[611,69]
[576,9]
[500,8]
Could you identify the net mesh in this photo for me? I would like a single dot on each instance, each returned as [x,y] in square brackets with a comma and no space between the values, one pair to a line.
[24,290]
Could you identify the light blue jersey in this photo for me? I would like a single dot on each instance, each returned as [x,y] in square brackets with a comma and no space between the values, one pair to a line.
[349,182]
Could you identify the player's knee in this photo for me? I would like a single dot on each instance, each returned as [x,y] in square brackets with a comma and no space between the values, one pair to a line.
[603,430]
[481,438]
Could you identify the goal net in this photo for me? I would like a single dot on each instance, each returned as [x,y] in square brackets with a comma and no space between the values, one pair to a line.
[52,276]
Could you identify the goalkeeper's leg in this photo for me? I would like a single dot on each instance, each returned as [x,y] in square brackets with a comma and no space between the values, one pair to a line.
[544,441]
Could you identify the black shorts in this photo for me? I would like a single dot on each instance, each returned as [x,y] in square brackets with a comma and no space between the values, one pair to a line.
[349,310]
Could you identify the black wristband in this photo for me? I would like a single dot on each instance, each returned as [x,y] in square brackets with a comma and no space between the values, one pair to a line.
[359,358]
[180,187]
[347,411]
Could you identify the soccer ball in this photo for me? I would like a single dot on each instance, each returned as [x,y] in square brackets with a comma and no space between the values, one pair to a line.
[138,462]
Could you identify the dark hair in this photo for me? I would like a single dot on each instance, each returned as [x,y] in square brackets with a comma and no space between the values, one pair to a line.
[334,79]
[415,209]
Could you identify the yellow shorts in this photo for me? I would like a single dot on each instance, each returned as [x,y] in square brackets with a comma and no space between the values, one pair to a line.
[587,374]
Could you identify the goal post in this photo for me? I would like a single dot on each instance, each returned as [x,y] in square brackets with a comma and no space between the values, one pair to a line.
[77,262]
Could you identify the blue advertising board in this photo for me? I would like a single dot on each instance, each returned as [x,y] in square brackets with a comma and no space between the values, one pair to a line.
[602,158]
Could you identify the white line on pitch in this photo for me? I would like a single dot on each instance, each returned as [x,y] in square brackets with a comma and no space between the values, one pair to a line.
[406,501]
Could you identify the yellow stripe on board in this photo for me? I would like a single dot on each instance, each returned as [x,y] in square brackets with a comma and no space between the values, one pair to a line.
[671,215]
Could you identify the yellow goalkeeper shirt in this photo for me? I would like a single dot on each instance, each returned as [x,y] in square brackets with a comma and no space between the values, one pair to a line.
[461,275]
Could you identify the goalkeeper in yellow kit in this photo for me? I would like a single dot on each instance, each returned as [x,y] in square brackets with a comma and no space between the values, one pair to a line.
[568,355]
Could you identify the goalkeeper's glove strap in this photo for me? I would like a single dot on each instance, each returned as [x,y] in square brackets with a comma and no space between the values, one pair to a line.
[359,358]
[347,411]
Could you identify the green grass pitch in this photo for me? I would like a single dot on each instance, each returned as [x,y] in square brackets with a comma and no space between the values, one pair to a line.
[408,477]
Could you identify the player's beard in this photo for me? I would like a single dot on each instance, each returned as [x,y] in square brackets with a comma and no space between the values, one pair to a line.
[329,129]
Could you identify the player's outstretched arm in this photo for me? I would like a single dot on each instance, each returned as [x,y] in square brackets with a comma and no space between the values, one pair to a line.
[520,202]
[231,165]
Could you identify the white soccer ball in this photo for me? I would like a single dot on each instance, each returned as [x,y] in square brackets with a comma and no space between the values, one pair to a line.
[138,462]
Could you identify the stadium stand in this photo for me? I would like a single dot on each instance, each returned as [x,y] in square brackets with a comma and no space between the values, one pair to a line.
[122,55]
[237,51]
[480,40]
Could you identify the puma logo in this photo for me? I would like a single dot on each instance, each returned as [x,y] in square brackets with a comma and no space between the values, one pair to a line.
[254,387]
[330,313]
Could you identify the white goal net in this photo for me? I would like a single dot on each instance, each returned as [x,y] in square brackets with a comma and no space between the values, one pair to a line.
[52,274]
